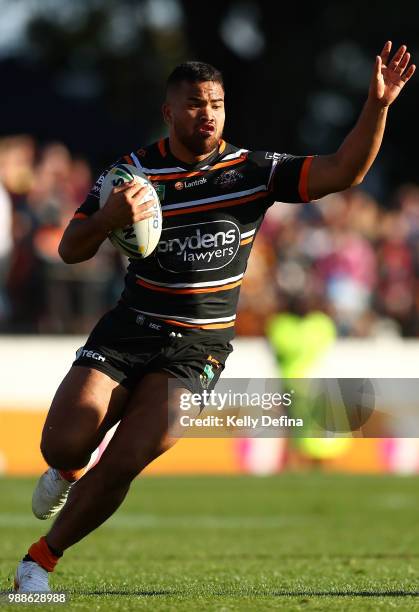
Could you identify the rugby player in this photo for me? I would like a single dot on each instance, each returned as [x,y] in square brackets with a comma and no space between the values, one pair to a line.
[175,318]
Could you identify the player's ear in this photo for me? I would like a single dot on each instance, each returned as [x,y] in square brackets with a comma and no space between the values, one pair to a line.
[167,113]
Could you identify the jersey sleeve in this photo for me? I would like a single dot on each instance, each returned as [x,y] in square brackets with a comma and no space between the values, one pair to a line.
[91,203]
[286,175]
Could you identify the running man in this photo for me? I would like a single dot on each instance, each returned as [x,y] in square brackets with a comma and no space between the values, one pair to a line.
[175,318]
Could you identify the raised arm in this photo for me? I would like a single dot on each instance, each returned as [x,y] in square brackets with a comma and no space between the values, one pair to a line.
[351,162]
[83,237]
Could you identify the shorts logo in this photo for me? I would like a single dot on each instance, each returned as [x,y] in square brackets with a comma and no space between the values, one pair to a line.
[212,359]
[198,247]
[140,320]
[154,326]
[82,352]
[228,178]
[206,376]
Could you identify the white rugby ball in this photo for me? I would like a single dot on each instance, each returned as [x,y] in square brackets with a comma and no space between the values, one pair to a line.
[140,239]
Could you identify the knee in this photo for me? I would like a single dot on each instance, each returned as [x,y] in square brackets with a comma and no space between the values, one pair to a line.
[64,454]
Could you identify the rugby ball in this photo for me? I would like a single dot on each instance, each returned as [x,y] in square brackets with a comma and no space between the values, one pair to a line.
[140,239]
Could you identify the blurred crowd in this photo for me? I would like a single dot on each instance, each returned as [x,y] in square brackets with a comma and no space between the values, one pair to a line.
[347,255]
[40,188]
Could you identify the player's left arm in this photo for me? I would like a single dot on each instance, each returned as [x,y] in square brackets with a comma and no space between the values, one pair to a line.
[349,165]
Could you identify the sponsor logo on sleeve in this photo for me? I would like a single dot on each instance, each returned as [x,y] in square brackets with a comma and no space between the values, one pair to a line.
[95,190]
[199,247]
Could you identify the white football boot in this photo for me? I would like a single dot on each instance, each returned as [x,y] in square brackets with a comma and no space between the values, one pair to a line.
[31,578]
[50,494]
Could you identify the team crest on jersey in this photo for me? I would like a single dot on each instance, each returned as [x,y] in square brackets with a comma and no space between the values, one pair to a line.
[228,178]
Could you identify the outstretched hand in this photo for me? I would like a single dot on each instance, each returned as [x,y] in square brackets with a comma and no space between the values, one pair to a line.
[390,75]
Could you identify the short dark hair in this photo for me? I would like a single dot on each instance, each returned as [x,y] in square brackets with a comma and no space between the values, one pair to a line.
[194,72]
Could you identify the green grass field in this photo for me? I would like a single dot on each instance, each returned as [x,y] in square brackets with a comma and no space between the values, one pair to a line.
[292,542]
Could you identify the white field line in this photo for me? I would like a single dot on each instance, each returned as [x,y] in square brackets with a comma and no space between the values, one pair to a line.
[129,521]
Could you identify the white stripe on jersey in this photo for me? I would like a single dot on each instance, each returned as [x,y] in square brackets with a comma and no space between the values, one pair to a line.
[247,234]
[234,155]
[274,163]
[136,160]
[162,170]
[229,196]
[178,169]
[223,281]
[155,170]
[185,319]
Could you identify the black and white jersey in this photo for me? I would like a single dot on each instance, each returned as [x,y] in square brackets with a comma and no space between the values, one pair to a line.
[211,214]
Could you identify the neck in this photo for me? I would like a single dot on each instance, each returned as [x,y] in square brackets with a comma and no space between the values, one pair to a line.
[181,153]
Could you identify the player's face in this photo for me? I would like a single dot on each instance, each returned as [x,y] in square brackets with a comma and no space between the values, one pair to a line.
[195,114]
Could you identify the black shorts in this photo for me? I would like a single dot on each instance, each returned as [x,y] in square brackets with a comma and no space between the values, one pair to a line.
[126,346]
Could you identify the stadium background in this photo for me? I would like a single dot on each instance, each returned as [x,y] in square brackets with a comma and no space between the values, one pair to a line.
[327,284]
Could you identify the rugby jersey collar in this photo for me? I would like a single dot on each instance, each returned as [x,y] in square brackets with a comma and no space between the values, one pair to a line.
[164,148]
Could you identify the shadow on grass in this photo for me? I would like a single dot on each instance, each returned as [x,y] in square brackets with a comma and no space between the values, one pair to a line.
[275,556]
[302,593]
[255,594]
[126,593]
[113,592]
[285,593]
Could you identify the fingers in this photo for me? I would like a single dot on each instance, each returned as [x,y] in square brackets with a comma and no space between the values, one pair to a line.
[378,66]
[410,72]
[141,205]
[399,63]
[136,192]
[403,63]
[386,52]
[144,210]
[130,202]
[397,59]
[131,191]
[138,212]
[125,186]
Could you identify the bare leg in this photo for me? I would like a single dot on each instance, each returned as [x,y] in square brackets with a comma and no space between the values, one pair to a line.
[140,438]
[87,404]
